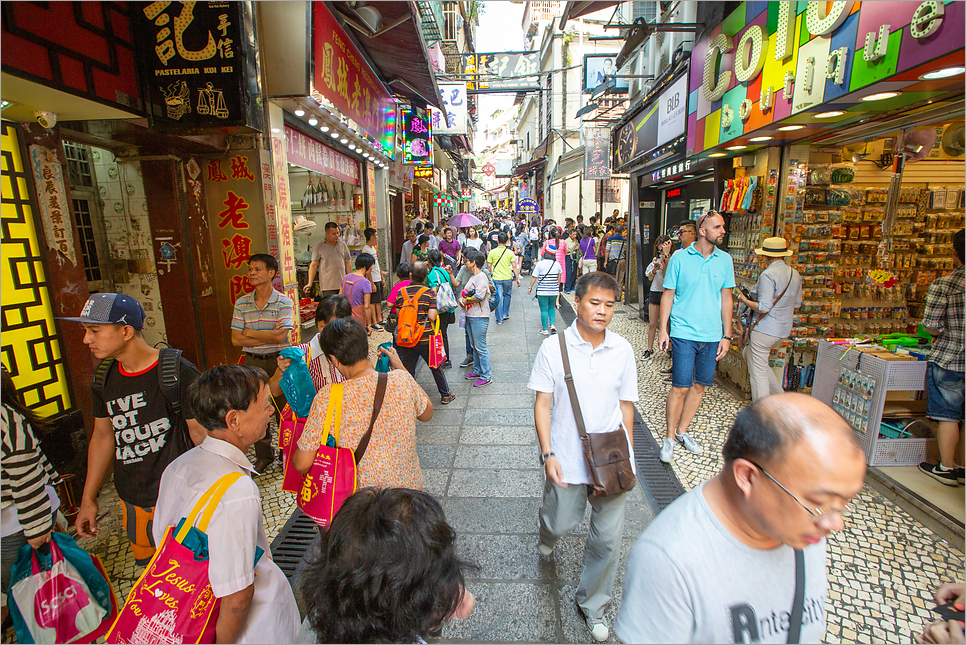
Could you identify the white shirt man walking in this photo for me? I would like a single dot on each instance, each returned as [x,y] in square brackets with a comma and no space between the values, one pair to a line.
[779,295]
[697,300]
[605,378]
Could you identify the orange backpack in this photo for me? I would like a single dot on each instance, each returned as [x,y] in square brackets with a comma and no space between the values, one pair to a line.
[409,331]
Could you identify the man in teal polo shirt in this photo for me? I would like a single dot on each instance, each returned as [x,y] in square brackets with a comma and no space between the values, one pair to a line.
[697,299]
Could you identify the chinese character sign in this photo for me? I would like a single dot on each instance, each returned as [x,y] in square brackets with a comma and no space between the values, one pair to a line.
[452,119]
[418,131]
[54,210]
[596,153]
[198,63]
[281,211]
[312,155]
[343,77]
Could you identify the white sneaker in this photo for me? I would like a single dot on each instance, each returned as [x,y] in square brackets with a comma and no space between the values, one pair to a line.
[553,329]
[545,549]
[667,451]
[689,443]
[544,332]
[598,630]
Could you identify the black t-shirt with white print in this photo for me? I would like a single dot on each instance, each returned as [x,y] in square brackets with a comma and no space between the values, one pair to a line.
[146,438]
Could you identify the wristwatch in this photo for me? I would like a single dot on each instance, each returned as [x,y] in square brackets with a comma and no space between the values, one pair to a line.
[727,338]
[544,457]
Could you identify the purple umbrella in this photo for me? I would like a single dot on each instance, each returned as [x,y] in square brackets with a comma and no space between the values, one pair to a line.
[464,220]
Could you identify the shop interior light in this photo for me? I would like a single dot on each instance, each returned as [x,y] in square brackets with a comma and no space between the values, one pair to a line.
[717,154]
[736,147]
[943,73]
[790,128]
[688,176]
[343,141]
[299,112]
[828,115]
[762,138]
[313,121]
[324,128]
[881,96]
[276,130]
[352,146]
[334,134]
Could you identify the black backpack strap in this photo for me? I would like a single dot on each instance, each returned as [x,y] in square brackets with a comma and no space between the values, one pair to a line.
[100,377]
[798,604]
[169,375]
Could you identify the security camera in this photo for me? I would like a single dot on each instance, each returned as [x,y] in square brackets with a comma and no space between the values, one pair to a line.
[46,119]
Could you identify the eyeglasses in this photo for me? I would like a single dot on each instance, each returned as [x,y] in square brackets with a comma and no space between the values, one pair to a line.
[817,513]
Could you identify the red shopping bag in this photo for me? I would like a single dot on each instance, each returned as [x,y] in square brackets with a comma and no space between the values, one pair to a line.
[332,477]
[437,350]
[289,431]
[172,601]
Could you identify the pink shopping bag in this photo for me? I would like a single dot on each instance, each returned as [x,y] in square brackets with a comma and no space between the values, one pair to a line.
[437,350]
[289,431]
[172,601]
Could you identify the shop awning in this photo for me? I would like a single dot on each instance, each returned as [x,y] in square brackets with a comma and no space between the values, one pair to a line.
[524,168]
[398,50]
[569,164]
[578,9]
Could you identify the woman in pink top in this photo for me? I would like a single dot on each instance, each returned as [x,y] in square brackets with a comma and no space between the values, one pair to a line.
[560,253]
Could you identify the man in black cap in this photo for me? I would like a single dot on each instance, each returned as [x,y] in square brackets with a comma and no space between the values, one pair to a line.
[141,418]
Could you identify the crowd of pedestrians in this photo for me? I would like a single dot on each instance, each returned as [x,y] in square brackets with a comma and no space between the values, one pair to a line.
[739,558]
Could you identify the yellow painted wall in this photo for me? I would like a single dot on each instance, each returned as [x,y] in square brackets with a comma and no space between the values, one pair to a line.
[29,346]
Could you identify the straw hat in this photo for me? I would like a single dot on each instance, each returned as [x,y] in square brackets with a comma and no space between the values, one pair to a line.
[774,247]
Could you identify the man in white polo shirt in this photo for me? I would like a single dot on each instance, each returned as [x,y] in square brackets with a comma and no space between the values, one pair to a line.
[260,325]
[605,377]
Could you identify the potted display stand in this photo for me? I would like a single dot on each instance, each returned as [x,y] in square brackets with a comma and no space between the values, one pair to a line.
[889,376]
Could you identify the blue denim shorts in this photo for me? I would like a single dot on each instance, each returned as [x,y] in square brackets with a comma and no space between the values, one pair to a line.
[945,395]
[693,362]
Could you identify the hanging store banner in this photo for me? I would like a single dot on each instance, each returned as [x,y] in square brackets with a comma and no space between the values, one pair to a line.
[662,117]
[52,199]
[597,67]
[423,172]
[198,65]
[596,153]
[502,71]
[305,151]
[454,105]
[343,77]
[770,61]
[527,206]
[418,137]
[672,111]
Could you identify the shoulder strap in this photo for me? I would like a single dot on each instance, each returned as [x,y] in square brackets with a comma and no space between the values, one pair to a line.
[376,407]
[169,375]
[100,376]
[798,605]
[544,276]
[569,379]
[208,502]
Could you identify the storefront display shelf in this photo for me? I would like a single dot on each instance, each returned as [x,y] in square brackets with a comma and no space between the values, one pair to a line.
[887,376]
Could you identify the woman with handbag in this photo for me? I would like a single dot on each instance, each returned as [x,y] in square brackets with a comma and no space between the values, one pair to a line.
[390,458]
[655,273]
[439,279]
[779,291]
[546,275]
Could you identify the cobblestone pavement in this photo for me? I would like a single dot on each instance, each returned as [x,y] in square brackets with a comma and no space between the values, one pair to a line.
[479,457]
[883,568]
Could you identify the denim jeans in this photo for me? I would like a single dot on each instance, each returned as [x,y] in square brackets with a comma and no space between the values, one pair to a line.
[548,311]
[476,328]
[693,362]
[503,288]
[573,267]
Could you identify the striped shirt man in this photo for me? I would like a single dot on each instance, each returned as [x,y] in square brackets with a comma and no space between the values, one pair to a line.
[26,472]
[248,315]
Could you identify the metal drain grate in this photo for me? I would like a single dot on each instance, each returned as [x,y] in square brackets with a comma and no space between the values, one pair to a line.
[292,543]
[660,484]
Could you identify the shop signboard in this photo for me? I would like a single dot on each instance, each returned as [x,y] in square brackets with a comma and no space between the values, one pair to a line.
[344,78]
[596,153]
[528,206]
[234,192]
[768,61]
[644,132]
[679,168]
[502,71]
[597,67]
[305,151]
[423,172]
[197,65]
[281,209]
[454,108]
[52,199]
[418,138]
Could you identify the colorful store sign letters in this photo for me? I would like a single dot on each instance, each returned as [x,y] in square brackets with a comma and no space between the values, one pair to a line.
[305,151]
[768,61]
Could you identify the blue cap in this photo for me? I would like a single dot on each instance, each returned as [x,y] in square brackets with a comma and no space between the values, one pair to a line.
[111,309]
